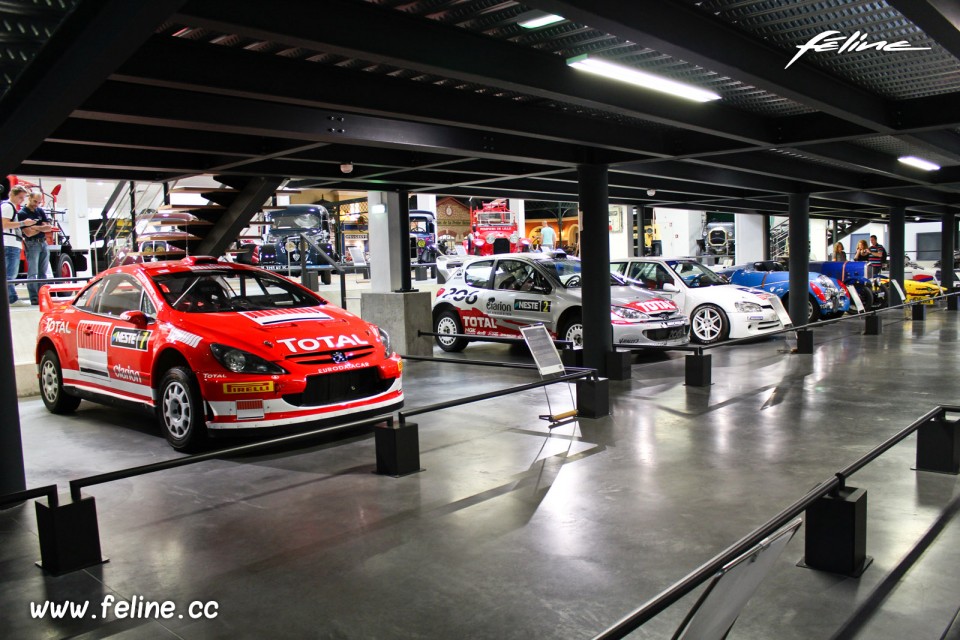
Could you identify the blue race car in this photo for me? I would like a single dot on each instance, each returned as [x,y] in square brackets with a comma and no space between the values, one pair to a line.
[826,298]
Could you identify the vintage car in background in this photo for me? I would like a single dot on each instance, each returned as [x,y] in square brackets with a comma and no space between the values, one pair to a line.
[717,309]
[861,276]
[282,245]
[496,296]
[918,284]
[212,347]
[826,298]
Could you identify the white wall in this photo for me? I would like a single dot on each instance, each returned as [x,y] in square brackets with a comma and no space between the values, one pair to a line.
[748,230]
[818,241]
[426,202]
[679,231]
[620,240]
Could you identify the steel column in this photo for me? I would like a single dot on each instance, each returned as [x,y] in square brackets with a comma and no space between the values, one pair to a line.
[947,231]
[595,252]
[12,476]
[403,212]
[765,234]
[896,251]
[798,244]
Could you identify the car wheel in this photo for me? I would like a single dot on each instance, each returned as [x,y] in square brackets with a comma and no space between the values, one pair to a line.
[51,385]
[65,266]
[448,322]
[572,330]
[709,324]
[180,410]
[813,310]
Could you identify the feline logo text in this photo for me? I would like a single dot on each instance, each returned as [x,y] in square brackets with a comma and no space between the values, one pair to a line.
[836,41]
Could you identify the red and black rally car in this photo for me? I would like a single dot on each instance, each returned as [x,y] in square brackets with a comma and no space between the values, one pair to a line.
[212,347]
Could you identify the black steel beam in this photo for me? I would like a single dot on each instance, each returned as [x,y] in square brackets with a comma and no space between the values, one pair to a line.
[939,19]
[377,34]
[237,216]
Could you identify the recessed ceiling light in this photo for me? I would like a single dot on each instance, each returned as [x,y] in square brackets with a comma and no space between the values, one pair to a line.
[535,20]
[919,163]
[641,78]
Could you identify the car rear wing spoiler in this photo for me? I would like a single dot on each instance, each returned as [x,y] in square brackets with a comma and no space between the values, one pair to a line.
[58,295]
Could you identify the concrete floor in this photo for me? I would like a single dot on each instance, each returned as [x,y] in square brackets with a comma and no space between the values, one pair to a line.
[512,531]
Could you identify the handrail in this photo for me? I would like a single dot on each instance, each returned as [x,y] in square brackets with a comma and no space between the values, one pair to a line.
[50,491]
[77,485]
[691,581]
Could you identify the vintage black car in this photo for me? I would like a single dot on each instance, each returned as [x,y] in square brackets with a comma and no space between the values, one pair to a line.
[282,245]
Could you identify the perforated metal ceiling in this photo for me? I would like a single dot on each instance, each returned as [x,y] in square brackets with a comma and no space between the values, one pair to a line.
[454,97]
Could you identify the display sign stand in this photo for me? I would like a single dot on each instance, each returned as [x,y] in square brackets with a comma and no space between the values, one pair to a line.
[718,608]
[549,365]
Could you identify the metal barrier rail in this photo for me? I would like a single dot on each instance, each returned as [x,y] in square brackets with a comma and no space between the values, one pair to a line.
[77,485]
[698,576]
[576,375]
[50,491]
[49,280]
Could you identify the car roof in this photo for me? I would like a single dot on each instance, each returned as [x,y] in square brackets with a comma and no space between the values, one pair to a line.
[191,263]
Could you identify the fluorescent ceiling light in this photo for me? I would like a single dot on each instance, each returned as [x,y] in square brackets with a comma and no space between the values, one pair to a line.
[919,163]
[541,21]
[641,78]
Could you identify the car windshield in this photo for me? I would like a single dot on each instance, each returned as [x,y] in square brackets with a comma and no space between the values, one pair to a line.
[217,291]
[564,271]
[297,221]
[695,274]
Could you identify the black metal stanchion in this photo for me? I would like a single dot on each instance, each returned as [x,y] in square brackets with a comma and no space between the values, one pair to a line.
[805,341]
[836,533]
[873,326]
[619,365]
[593,397]
[698,370]
[918,313]
[398,448]
[938,446]
[69,535]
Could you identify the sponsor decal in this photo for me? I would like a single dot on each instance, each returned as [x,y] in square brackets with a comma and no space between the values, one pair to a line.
[214,376]
[123,372]
[831,41]
[187,338]
[234,388]
[481,322]
[135,339]
[56,326]
[655,306]
[499,307]
[277,316]
[540,306]
[330,342]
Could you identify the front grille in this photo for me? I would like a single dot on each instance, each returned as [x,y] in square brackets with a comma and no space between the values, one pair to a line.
[340,387]
[327,356]
[660,335]
[770,324]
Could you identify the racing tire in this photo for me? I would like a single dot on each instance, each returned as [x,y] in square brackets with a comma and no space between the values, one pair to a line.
[449,322]
[55,398]
[65,266]
[813,308]
[709,324]
[180,410]
[866,296]
[572,330]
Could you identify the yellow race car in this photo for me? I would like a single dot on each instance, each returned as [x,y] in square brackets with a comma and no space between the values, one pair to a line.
[915,290]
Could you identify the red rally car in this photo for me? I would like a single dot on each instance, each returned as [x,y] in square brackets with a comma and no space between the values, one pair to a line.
[213,347]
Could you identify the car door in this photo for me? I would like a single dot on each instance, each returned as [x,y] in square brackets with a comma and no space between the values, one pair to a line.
[519,296]
[116,347]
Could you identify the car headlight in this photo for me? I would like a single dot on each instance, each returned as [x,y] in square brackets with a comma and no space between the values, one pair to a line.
[747,307]
[628,314]
[385,339]
[240,361]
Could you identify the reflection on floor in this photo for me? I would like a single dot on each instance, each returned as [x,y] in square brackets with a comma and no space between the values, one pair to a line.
[512,531]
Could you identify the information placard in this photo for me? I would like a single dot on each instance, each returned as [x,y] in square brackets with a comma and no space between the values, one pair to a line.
[903,296]
[545,353]
[857,302]
[718,608]
[782,314]
[356,254]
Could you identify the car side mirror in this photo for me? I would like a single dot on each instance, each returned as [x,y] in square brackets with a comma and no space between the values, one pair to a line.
[137,318]
[669,286]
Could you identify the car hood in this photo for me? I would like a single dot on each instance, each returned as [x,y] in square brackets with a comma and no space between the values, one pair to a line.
[641,299]
[279,333]
[736,293]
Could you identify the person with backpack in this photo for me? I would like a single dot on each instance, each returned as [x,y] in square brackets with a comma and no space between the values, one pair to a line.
[12,239]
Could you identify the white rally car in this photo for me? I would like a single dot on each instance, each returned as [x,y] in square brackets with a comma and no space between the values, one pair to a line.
[497,295]
[717,309]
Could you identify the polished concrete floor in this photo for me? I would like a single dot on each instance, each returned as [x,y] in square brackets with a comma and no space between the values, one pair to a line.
[512,531]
